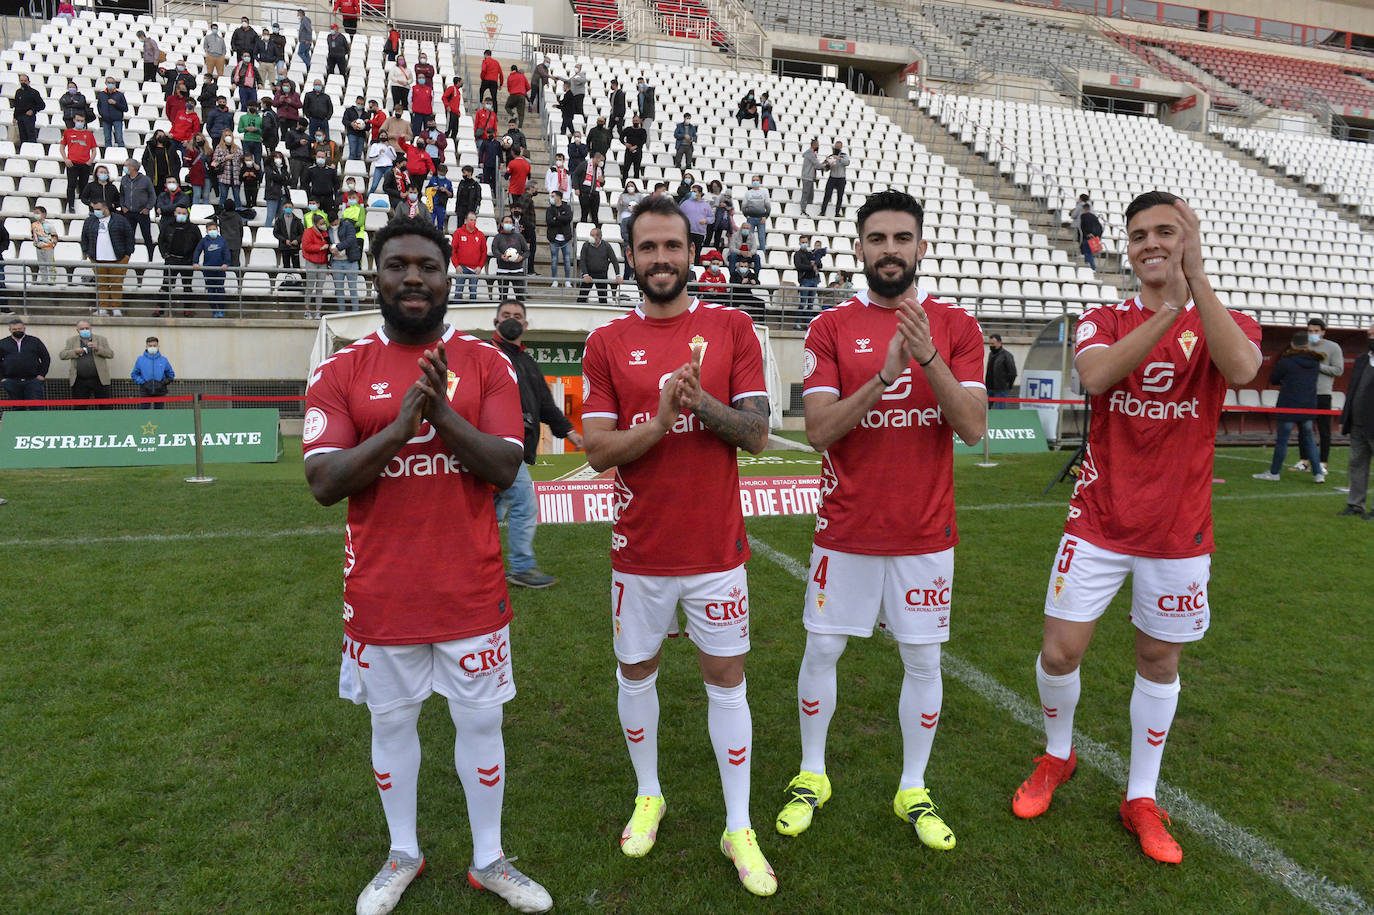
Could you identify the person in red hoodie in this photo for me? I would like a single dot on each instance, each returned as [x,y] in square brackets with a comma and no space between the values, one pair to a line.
[484,123]
[419,165]
[518,171]
[315,251]
[453,105]
[421,104]
[349,11]
[518,85]
[714,284]
[492,77]
[376,118]
[78,145]
[184,126]
[469,256]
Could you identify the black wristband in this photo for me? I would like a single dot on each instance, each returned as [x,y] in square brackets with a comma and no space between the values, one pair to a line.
[886,383]
[930,360]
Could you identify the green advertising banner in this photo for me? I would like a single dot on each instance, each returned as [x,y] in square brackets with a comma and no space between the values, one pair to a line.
[1009,432]
[125,438]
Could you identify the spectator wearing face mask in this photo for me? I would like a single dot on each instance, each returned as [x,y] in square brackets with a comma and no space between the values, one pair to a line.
[699,215]
[722,221]
[349,11]
[742,251]
[152,372]
[287,103]
[438,192]
[634,137]
[345,261]
[512,140]
[276,180]
[489,157]
[269,53]
[453,107]
[599,268]
[216,52]
[398,126]
[566,111]
[684,143]
[247,78]
[589,185]
[336,47]
[509,250]
[137,197]
[558,222]
[73,104]
[177,246]
[26,105]
[400,79]
[318,109]
[517,175]
[243,39]
[834,165]
[322,183]
[381,156]
[112,107]
[45,235]
[89,354]
[421,104]
[100,188]
[252,181]
[756,209]
[197,170]
[299,153]
[210,258]
[411,206]
[289,230]
[418,164]
[250,126]
[577,155]
[107,240]
[228,166]
[714,283]
[469,256]
[356,128]
[24,363]
[315,248]
[543,71]
[78,149]
[807,261]
[220,121]
[491,78]
[172,196]
[467,196]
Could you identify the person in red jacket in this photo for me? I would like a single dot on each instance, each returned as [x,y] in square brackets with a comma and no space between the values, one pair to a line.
[315,251]
[484,125]
[349,10]
[78,144]
[421,104]
[492,77]
[185,126]
[518,171]
[419,165]
[714,284]
[453,106]
[519,88]
[469,256]
[376,117]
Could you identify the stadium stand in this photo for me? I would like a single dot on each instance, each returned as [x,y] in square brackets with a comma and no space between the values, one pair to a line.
[981,256]
[599,19]
[1273,252]
[1341,169]
[1157,62]
[1277,80]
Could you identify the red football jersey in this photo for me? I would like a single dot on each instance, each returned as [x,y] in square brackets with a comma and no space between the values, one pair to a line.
[677,506]
[422,556]
[887,486]
[1145,488]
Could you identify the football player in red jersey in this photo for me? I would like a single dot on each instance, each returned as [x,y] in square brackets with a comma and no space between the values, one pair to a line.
[1157,368]
[675,387]
[417,425]
[890,376]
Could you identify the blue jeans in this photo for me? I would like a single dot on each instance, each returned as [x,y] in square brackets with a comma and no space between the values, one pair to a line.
[1002,406]
[303,52]
[226,191]
[273,207]
[1088,254]
[468,277]
[807,295]
[561,251]
[1307,445]
[214,289]
[248,95]
[517,505]
[378,176]
[357,146]
[113,130]
[345,282]
[759,225]
[199,194]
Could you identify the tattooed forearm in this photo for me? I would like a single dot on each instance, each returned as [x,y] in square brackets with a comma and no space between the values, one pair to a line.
[744,425]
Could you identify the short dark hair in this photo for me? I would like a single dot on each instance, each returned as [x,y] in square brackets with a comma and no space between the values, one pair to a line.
[511,301]
[997,337]
[409,226]
[898,201]
[1317,321]
[1150,199]
[152,340]
[658,205]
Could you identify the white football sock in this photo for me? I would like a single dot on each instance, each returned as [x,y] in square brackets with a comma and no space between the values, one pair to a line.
[1152,714]
[396,766]
[638,706]
[816,695]
[732,732]
[1058,699]
[923,693]
[479,755]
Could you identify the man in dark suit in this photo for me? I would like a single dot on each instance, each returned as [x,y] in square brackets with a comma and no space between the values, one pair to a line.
[1357,421]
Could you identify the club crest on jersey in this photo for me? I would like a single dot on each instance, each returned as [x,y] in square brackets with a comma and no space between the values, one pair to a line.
[698,349]
[452,384]
[1058,587]
[379,391]
[1187,340]
[861,345]
[637,357]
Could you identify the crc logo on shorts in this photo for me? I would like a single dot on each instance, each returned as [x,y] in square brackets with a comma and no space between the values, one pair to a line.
[637,358]
[1158,377]
[1194,602]
[808,363]
[486,661]
[1086,331]
[315,422]
[724,613]
[932,599]
[379,391]
[862,345]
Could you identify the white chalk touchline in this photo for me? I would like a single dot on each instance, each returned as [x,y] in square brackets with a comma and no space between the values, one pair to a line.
[1255,852]
[172,538]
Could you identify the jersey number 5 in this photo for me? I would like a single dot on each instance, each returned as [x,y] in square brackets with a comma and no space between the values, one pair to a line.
[1066,556]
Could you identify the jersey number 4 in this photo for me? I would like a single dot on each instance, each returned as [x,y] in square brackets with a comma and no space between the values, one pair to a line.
[821,568]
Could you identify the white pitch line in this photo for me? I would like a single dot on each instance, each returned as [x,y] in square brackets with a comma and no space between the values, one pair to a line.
[173,538]
[1255,852]
[1238,457]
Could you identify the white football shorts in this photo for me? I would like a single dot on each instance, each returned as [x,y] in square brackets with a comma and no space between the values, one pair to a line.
[845,592]
[1168,596]
[475,672]
[716,605]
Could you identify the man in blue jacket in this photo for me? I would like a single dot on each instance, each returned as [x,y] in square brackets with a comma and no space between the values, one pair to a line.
[1295,373]
[210,257]
[111,106]
[152,372]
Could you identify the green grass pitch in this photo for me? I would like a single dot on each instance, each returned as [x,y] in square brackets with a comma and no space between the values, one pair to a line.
[174,741]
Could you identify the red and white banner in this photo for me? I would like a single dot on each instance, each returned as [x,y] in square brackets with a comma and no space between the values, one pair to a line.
[572,501]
